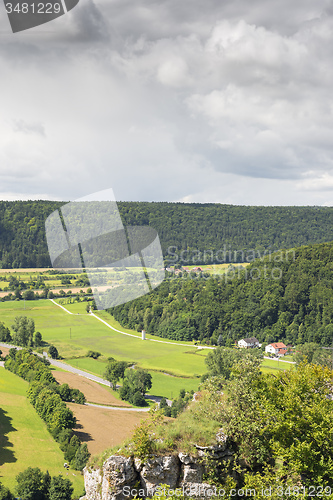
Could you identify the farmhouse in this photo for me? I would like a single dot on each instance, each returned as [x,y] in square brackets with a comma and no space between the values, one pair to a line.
[248,343]
[277,348]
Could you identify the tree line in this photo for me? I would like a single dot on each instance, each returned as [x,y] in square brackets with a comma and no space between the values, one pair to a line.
[190,233]
[49,400]
[295,306]
[33,484]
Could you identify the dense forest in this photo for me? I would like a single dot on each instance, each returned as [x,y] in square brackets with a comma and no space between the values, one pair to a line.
[190,233]
[287,296]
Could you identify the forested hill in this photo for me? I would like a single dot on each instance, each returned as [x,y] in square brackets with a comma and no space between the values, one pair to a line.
[202,231]
[287,296]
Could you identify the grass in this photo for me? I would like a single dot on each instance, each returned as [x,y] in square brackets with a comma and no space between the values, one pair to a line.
[24,439]
[75,334]
[218,268]
[169,387]
[162,384]
[271,365]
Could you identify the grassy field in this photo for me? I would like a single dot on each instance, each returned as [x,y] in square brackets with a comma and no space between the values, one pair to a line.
[75,334]
[216,268]
[24,439]
[169,387]
[271,365]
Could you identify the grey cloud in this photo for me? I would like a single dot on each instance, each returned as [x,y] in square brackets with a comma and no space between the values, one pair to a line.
[29,127]
[167,100]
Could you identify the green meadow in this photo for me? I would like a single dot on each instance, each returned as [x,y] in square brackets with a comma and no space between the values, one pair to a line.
[75,334]
[24,439]
[271,365]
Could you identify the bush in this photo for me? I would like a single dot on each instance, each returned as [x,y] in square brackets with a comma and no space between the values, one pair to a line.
[5,494]
[60,489]
[53,352]
[81,457]
[138,400]
[77,397]
[93,354]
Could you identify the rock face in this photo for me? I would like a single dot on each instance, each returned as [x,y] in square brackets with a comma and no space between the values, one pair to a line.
[158,470]
[123,478]
[92,483]
[110,482]
[118,472]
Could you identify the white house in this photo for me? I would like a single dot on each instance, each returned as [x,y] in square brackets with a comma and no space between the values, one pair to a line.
[277,348]
[248,343]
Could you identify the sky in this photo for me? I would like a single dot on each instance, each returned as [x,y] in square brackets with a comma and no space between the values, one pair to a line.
[191,101]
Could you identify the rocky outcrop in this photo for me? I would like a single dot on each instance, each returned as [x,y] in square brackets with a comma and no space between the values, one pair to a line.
[123,478]
[109,483]
[92,482]
[158,470]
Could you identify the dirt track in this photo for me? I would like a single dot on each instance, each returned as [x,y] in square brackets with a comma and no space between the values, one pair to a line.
[93,392]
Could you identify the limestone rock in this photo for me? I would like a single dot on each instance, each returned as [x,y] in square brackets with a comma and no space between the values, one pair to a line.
[192,473]
[221,439]
[118,472]
[160,470]
[92,483]
[185,458]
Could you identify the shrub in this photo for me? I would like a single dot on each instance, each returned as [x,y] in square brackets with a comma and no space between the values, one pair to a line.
[93,354]
[5,494]
[53,352]
[60,489]
[138,400]
[81,457]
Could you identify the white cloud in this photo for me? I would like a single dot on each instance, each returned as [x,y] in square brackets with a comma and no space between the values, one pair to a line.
[171,101]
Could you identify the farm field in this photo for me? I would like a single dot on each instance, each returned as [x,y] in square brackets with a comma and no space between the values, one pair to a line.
[24,439]
[93,392]
[216,268]
[162,384]
[102,428]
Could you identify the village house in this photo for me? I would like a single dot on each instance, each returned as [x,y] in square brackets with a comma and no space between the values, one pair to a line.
[277,348]
[248,343]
